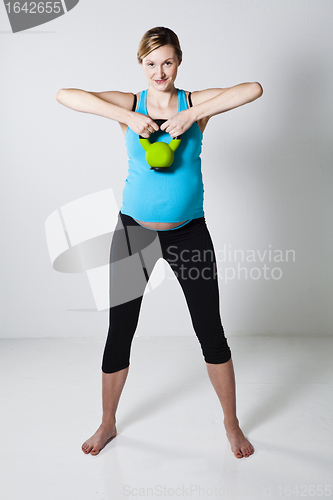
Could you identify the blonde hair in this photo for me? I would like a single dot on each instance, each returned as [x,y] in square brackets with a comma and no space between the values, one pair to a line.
[155,38]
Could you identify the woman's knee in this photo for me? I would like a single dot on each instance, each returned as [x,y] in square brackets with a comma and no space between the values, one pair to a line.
[217,356]
[214,347]
[112,367]
[117,350]
[122,326]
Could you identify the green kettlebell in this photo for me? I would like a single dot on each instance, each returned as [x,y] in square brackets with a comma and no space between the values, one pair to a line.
[159,155]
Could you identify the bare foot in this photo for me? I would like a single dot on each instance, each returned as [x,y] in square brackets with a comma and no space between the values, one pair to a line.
[240,446]
[103,435]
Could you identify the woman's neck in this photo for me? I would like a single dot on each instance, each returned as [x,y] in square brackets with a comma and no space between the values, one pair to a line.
[161,99]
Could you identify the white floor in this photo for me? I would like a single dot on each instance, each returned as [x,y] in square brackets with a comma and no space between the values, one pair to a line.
[171,441]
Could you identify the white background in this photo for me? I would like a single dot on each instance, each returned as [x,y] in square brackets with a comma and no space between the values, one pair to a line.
[267,166]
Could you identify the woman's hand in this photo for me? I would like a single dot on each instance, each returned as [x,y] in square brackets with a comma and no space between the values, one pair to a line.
[142,124]
[179,123]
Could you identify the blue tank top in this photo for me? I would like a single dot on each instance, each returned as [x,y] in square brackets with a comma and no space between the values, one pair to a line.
[171,196]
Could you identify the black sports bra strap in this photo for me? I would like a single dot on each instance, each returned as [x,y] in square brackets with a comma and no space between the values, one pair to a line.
[134,104]
[190,100]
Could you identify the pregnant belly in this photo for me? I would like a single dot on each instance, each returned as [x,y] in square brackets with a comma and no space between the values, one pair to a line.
[160,225]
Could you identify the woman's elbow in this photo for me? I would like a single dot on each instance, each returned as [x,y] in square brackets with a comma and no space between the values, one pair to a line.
[259,89]
[58,96]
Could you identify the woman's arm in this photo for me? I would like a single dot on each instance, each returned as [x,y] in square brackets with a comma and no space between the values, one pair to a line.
[113,105]
[210,102]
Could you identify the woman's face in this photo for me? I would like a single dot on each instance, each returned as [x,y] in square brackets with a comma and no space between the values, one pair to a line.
[160,67]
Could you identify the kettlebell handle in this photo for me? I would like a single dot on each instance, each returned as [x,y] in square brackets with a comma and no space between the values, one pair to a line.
[159,122]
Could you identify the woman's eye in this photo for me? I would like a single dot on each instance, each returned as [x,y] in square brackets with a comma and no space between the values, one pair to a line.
[152,64]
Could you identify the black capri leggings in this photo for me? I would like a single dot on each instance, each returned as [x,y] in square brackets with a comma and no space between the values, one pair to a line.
[189,250]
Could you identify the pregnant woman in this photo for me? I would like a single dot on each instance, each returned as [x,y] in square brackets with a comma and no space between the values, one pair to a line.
[162,210]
